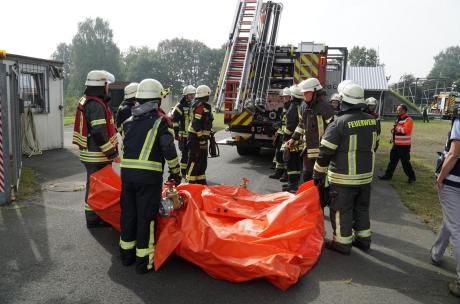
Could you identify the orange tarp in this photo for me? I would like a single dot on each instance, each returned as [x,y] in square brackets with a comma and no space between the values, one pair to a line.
[230,232]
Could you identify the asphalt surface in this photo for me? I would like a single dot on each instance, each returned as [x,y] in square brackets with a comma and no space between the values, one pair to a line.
[48,256]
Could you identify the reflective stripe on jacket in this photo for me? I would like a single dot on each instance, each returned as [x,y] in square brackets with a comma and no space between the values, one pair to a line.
[402,131]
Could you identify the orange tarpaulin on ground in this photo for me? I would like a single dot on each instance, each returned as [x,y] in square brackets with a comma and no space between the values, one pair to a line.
[230,232]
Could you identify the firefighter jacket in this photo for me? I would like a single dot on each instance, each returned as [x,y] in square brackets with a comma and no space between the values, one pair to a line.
[181,118]
[148,142]
[124,112]
[292,121]
[402,130]
[94,131]
[201,121]
[314,118]
[282,128]
[347,150]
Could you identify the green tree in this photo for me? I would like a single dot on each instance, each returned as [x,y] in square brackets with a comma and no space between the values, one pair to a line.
[141,63]
[360,56]
[93,48]
[447,64]
[63,53]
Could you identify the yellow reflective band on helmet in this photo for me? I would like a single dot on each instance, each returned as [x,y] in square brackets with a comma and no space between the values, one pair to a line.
[97,122]
[328,144]
[363,233]
[150,139]
[352,144]
[141,164]
[127,245]
[319,168]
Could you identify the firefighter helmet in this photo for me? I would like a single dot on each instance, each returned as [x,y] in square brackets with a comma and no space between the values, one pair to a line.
[130,90]
[336,97]
[342,85]
[285,92]
[371,101]
[202,91]
[310,85]
[352,94]
[189,90]
[150,89]
[98,78]
[295,91]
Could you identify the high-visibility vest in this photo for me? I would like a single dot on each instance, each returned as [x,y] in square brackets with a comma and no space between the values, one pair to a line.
[402,131]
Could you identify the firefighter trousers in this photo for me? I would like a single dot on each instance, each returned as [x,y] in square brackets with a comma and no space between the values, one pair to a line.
[91,216]
[139,207]
[278,159]
[293,168]
[400,153]
[197,164]
[349,214]
[308,164]
[184,157]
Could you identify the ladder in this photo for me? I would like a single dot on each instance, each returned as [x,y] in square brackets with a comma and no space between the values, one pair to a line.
[236,65]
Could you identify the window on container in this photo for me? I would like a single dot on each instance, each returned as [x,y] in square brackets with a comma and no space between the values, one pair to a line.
[33,92]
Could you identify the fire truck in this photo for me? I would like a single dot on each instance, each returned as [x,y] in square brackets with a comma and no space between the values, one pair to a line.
[255,70]
[443,104]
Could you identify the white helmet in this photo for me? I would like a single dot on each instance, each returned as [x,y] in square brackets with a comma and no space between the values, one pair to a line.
[336,97]
[189,90]
[202,91]
[310,85]
[371,101]
[352,93]
[286,92]
[98,78]
[130,90]
[342,85]
[295,91]
[149,89]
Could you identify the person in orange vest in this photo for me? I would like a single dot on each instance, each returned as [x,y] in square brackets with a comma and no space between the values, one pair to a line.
[95,133]
[402,135]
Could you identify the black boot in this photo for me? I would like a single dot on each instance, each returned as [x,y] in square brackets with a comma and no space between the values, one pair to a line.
[362,243]
[340,248]
[284,178]
[278,173]
[293,182]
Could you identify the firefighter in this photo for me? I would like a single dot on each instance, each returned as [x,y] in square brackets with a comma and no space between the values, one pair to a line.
[280,166]
[148,142]
[402,134]
[95,133]
[335,102]
[181,121]
[315,115]
[371,103]
[124,110]
[347,158]
[199,132]
[292,155]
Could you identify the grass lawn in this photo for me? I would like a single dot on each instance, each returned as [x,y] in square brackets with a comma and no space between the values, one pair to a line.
[69,120]
[421,197]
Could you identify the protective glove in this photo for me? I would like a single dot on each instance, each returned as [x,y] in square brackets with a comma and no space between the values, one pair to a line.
[176,178]
[318,178]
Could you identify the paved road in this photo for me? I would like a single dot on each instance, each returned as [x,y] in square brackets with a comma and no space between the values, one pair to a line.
[48,256]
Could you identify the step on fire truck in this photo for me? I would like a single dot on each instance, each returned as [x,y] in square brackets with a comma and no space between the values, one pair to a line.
[255,70]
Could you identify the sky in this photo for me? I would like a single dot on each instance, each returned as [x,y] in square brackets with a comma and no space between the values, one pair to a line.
[406,33]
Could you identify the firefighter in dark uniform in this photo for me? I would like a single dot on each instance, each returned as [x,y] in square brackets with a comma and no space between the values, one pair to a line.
[148,142]
[315,115]
[124,110]
[280,166]
[199,133]
[371,108]
[95,133]
[181,121]
[347,155]
[292,155]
